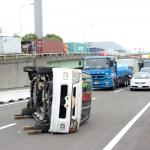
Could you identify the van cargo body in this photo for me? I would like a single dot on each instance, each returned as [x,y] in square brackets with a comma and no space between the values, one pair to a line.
[10,45]
[49,46]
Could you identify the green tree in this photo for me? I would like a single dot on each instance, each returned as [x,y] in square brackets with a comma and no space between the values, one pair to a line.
[30,37]
[53,37]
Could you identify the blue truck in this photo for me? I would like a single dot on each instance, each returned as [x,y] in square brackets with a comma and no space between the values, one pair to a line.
[105,72]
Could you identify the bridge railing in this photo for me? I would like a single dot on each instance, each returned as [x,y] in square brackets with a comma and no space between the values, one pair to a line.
[18,56]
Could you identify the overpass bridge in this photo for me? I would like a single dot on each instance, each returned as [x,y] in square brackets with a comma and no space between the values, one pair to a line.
[11,66]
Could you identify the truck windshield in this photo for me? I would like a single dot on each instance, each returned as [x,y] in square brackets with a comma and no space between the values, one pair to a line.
[98,63]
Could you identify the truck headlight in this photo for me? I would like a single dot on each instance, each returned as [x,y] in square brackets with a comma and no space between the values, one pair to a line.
[109,75]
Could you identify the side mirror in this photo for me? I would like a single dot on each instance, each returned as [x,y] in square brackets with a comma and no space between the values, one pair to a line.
[111,63]
[80,62]
[141,65]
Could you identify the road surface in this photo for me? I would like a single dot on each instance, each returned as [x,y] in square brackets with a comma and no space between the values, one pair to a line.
[120,120]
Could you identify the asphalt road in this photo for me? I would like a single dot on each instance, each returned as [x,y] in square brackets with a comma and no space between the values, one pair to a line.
[118,121]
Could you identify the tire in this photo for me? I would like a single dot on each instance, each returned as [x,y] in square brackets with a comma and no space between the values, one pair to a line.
[131,89]
[127,81]
[124,84]
[29,105]
[29,69]
[44,127]
[114,85]
[44,70]
[26,111]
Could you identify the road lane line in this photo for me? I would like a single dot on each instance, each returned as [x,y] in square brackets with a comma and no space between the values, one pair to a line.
[94,98]
[7,126]
[118,137]
[13,103]
[118,90]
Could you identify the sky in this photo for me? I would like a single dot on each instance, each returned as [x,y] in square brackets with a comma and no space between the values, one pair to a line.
[126,22]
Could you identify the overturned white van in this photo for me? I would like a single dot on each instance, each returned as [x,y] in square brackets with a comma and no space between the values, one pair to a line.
[60,99]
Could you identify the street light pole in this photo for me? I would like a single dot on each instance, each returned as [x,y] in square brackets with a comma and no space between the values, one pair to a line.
[20,16]
[38,20]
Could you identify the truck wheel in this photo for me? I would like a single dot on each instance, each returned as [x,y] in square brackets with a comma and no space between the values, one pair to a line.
[26,111]
[44,70]
[113,85]
[126,82]
[29,69]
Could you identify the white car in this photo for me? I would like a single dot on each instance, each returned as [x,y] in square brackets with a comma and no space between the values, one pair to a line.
[140,80]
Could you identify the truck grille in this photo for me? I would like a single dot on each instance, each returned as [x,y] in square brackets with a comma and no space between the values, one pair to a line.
[139,82]
[97,76]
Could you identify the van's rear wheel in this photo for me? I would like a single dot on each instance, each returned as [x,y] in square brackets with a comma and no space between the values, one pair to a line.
[26,111]
[43,127]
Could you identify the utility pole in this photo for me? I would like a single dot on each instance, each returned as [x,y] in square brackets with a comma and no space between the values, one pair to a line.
[38,21]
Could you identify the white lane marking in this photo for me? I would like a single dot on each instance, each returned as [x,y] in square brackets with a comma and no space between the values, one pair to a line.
[94,98]
[7,126]
[118,90]
[118,137]
[13,103]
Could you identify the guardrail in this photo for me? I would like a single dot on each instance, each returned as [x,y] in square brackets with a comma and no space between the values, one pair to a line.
[18,56]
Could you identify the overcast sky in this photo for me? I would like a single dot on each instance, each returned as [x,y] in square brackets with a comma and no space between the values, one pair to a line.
[126,22]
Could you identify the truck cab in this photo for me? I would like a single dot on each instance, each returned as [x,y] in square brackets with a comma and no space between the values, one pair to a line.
[106,73]
[102,70]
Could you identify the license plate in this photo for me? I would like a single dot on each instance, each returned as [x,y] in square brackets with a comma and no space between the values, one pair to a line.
[140,86]
[96,82]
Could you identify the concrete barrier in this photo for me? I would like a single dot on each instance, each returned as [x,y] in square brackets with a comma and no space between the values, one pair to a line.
[14,95]
[11,69]
[12,75]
